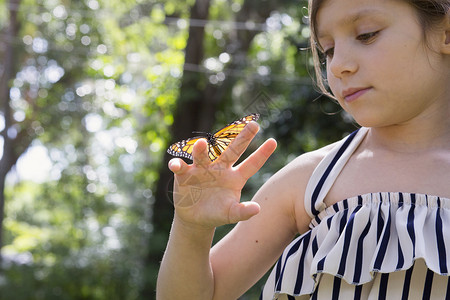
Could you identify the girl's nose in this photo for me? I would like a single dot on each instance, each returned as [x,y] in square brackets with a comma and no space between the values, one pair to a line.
[343,62]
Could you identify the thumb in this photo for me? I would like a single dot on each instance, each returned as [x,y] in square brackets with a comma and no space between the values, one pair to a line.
[243,211]
[177,166]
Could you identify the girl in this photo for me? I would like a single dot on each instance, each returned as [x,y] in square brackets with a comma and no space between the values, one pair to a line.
[373,210]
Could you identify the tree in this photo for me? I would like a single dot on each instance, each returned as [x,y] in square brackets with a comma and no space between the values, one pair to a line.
[204,97]
[54,95]
[13,144]
[105,87]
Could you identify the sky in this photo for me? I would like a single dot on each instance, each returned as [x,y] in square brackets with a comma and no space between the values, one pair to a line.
[34,165]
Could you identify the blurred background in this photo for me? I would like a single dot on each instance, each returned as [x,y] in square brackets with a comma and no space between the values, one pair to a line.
[92,92]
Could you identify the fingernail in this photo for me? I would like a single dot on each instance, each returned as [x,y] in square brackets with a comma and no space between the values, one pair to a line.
[172,164]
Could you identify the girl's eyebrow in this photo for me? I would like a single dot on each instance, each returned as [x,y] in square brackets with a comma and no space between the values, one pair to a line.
[353,18]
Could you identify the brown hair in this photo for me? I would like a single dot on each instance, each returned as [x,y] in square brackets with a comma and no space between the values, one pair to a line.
[429,13]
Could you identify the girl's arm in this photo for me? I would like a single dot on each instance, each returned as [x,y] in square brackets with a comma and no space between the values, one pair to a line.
[190,269]
[185,271]
[244,255]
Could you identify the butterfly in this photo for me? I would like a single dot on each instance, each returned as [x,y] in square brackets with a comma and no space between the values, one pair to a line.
[217,142]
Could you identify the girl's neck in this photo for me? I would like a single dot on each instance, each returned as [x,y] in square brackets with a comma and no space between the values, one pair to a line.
[425,133]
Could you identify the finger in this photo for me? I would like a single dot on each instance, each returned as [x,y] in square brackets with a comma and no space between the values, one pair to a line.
[238,146]
[200,153]
[243,211]
[177,166]
[257,159]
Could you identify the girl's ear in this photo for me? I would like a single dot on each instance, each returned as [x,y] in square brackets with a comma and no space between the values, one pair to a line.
[445,41]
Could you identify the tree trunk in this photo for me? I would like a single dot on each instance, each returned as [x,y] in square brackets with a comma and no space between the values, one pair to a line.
[190,111]
[190,114]
[195,110]
[9,61]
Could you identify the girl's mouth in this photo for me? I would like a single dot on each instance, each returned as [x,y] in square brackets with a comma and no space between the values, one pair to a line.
[354,93]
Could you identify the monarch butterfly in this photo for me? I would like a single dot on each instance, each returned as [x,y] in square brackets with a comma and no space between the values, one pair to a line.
[217,142]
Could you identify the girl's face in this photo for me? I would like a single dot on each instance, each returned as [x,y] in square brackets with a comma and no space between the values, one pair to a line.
[378,65]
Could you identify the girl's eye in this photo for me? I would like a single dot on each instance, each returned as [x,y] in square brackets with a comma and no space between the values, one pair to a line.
[325,55]
[367,37]
[329,52]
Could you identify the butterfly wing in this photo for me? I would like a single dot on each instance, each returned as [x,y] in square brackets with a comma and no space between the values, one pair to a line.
[183,148]
[217,142]
[223,137]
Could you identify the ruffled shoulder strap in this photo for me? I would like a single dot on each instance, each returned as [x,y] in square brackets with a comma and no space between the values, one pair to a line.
[328,170]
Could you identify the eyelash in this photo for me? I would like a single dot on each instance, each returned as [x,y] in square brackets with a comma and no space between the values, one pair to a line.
[366,38]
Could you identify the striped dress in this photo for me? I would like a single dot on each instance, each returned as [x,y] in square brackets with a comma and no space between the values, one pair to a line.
[389,245]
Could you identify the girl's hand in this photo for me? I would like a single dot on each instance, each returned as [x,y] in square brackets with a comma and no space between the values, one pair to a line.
[207,194]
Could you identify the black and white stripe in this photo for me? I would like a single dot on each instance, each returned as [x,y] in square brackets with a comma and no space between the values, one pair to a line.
[369,236]
[381,245]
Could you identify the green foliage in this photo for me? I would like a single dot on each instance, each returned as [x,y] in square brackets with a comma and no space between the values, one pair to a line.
[97,85]
[62,249]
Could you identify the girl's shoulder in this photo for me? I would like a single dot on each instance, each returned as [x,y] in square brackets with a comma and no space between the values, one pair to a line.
[297,173]
[307,162]
[291,181]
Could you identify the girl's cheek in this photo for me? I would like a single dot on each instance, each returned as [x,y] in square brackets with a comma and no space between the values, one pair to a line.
[330,80]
